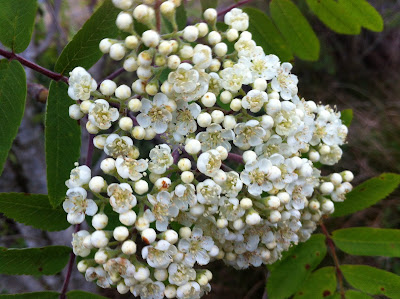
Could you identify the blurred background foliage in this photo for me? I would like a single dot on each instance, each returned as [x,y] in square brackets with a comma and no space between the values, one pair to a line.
[360,72]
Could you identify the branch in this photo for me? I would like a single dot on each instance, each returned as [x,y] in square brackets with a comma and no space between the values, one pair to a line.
[240,3]
[52,75]
[113,75]
[158,15]
[235,157]
[332,250]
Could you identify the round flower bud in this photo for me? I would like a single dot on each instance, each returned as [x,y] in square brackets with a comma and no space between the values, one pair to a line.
[141,187]
[222,223]
[97,184]
[85,106]
[186,52]
[217,116]
[160,274]
[314,156]
[236,104]
[135,105]
[124,21]
[192,146]
[324,149]
[214,38]
[173,62]
[226,97]
[284,197]
[75,112]
[125,123]
[228,63]
[99,239]
[145,58]
[215,65]
[152,88]
[197,210]
[122,288]
[202,280]
[100,257]
[347,175]
[220,49]
[232,34]
[105,45]
[120,233]
[230,256]
[141,12]
[260,84]
[208,100]
[91,128]
[163,183]
[336,179]
[220,177]
[203,29]
[141,224]
[131,42]
[108,165]
[185,232]
[141,274]
[117,52]
[326,188]
[123,4]
[187,177]
[213,253]
[229,122]
[99,221]
[246,35]
[151,38]
[82,266]
[144,72]
[238,224]
[204,119]
[107,87]
[138,132]
[165,48]
[149,235]
[265,254]
[210,15]
[190,33]
[313,205]
[275,216]
[129,247]
[149,134]
[249,156]
[223,153]
[128,218]
[171,236]
[130,64]
[170,291]
[184,164]
[274,173]
[246,203]
[253,218]
[328,206]
[178,257]
[87,243]
[274,202]
[167,8]
[138,86]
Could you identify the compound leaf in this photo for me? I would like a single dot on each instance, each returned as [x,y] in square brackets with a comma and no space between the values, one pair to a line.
[321,283]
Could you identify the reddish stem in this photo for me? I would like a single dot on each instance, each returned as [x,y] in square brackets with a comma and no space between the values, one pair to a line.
[113,75]
[34,66]
[240,3]
[89,151]
[332,250]
[235,157]
[158,15]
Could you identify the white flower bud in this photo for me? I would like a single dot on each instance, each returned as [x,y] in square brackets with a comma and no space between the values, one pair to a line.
[97,184]
[87,243]
[165,48]
[107,87]
[214,38]
[185,232]
[82,266]
[91,128]
[129,247]
[141,187]
[236,104]
[274,202]
[215,65]
[326,188]
[170,291]
[171,236]
[130,64]
[275,216]
[246,203]
[135,105]
[246,35]
[141,274]
[226,97]
[187,177]
[190,33]
[229,122]
[253,218]
[284,197]
[122,288]
[167,8]
[314,156]
[138,132]
[232,34]
[75,112]
[145,58]
[204,119]
[99,221]
[208,100]
[260,84]
[124,21]
[202,280]
[131,42]
[123,4]
[149,134]
[222,223]
[150,38]
[324,149]
[249,156]
[313,205]
[105,45]
[186,52]
[220,177]
[160,274]
[347,175]
[149,235]
[120,233]
[173,62]
[238,224]
[144,72]
[223,153]
[99,239]
[336,179]
[184,164]
[217,116]
[138,86]
[197,210]
[141,12]
[85,106]
[125,123]
[128,218]
[141,224]
[192,146]
[273,106]
[230,256]
[117,52]
[210,15]
[108,165]
[100,257]
[213,253]
[274,173]
[328,207]
[203,29]
[163,183]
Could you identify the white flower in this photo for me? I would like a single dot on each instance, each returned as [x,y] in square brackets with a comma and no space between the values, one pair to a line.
[130,168]
[215,136]
[255,176]
[180,274]
[208,192]
[185,119]
[209,163]
[233,184]
[121,266]
[77,205]
[234,77]
[162,209]
[196,247]
[245,48]
[98,273]
[149,289]
[261,65]
[237,19]
[77,243]
[285,82]
[190,290]
[248,134]
[202,56]
[116,146]
[160,255]
[161,159]
[254,100]
[101,115]
[79,176]
[121,198]
[184,195]
[231,209]
[81,84]
[155,114]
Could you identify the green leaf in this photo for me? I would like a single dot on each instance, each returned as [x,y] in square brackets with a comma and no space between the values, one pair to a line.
[335,16]
[266,35]
[83,50]
[298,262]
[34,295]
[372,280]
[364,13]
[321,283]
[34,210]
[12,104]
[34,261]
[295,29]
[181,17]
[208,4]
[63,139]
[16,23]
[346,116]
[368,241]
[76,294]
[367,194]
[351,294]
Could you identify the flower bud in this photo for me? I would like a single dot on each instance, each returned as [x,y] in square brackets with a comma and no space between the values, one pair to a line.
[99,221]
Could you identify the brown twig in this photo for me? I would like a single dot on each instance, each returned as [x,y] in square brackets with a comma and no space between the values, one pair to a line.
[240,3]
[33,66]
[235,157]
[113,75]
[332,250]
[158,15]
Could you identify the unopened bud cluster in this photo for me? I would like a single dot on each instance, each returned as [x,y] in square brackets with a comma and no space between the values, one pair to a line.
[231,172]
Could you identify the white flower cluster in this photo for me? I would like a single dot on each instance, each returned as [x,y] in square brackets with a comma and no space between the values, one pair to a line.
[232,172]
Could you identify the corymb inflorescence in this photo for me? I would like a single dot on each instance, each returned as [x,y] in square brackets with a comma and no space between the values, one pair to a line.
[211,155]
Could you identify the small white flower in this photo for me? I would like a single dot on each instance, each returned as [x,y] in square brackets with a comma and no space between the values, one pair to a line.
[161,159]
[184,195]
[121,198]
[254,100]
[163,209]
[97,273]
[101,115]
[81,84]
[249,134]
[79,176]
[202,56]
[160,255]
[285,82]
[209,163]
[155,114]
[131,168]
[215,136]
[237,19]
[77,243]
[184,118]
[121,266]
[77,205]
[116,146]
[190,290]
[255,176]
[180,274]
[234,77]
[208,192]
[196,247]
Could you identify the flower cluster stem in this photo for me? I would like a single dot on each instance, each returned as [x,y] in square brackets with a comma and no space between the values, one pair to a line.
[240,3]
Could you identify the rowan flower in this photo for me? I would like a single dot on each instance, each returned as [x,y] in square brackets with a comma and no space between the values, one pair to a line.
[161,159]
[121,198]
[155,114]
[101,115]
[81,84]
[77,205]
[163,209]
